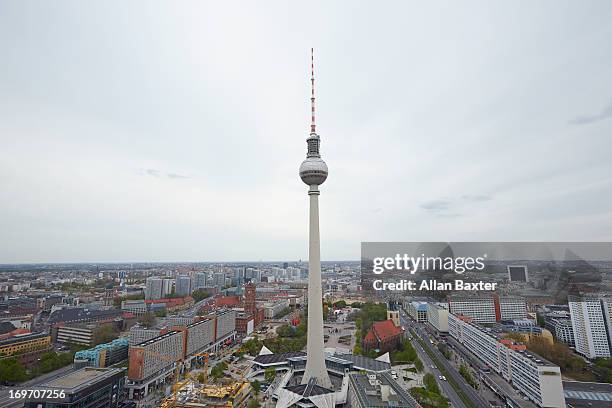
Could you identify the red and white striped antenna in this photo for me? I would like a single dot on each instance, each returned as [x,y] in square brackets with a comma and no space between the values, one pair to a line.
[312,98]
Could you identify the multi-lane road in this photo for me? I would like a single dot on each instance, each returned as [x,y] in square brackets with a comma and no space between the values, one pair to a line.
[456,401]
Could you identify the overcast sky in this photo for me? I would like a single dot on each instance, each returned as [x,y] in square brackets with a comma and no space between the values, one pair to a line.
[145,131]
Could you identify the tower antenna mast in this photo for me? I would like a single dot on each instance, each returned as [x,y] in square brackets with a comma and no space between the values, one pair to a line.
[312,97]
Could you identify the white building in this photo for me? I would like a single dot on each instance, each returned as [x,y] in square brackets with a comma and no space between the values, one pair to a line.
[437,316]
[591,325]
[512,308]
[539,380]
[489,309]
[480,308]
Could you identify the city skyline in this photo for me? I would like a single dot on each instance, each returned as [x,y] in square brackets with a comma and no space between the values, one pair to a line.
[147,139]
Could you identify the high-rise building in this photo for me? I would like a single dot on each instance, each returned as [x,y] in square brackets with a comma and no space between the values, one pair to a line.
[183,285]
[518,273]
[199,281]
[592,325]
[313,172]
[154,288]
[167,287]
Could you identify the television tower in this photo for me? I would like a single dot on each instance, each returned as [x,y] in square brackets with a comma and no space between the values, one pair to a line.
[313,172]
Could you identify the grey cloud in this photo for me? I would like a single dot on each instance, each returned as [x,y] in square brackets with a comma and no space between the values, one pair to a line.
[149,172]
[588,119]
[177,176]
[436,205]
[476,197]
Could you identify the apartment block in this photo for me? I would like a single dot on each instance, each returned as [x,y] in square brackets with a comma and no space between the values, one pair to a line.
[489,309]
[539,380]
[437,316]
[592,326]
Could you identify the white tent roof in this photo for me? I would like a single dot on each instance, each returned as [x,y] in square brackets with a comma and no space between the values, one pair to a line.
[384,358]
[264,351]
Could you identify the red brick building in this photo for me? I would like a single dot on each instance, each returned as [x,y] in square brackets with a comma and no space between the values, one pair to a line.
[384,336]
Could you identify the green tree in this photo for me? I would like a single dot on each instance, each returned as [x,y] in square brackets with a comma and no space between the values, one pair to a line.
[270,374]
[256,386]
[218,371]
[200,294]
[104,334]
[254,404]
[12,370]
[430,383]
[341,304]
[418,364]
[161,313]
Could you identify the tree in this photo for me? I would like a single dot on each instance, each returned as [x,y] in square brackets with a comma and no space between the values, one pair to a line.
[218,371]
[161,313]
[418,364]
[201,378]
[147,320]
[254,404]
[341,304]
[104,334]
[200,294]
[256,386]
[270,374]
[11,370]
[430,383]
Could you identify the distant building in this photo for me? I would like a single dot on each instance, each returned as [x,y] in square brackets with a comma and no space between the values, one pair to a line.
[518,273]
[489,309]
[183,285]
[88,387]
[154,288]
[84,315]
[418,311]
[200,281]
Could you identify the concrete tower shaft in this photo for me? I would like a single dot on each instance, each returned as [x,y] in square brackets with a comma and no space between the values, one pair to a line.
[313,172]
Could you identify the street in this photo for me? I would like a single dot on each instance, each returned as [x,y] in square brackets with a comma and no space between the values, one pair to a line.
[448,390]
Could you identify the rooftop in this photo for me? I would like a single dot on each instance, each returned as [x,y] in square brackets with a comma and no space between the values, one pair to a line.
[79,379]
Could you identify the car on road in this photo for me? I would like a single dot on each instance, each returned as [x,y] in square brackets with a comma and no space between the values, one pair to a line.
[433,366]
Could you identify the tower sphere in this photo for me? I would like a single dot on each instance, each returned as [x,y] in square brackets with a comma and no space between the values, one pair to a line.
[313,171]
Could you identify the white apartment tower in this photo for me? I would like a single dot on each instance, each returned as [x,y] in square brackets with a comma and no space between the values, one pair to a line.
[592,325]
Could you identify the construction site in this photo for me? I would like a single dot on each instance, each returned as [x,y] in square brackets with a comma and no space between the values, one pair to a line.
[191,393]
